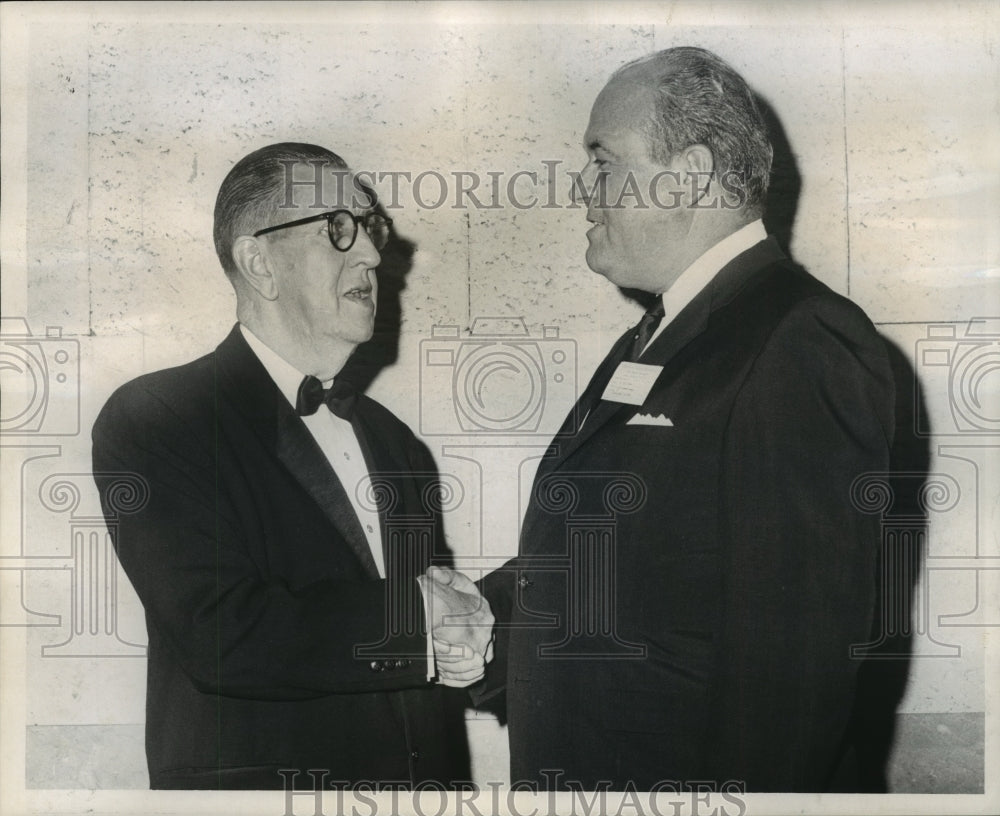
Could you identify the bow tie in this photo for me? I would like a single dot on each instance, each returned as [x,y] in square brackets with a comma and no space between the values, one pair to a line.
[339,397]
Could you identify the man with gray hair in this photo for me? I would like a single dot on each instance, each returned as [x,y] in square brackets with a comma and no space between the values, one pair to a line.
[692,572]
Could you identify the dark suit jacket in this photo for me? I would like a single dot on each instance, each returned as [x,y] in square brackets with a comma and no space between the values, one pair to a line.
[685,596]
[258,585]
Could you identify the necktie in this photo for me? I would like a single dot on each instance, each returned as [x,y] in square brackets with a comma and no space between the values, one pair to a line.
[627,352]
[645,329]
[339,397]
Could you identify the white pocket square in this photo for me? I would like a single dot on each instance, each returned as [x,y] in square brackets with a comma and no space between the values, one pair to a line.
[649,419]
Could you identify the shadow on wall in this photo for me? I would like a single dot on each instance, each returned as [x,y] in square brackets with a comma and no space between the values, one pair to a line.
[785,184]
[383,349]
[887,658]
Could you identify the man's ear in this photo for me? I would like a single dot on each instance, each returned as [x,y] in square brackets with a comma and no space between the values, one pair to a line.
[698,163]
[698,158]
[254,267]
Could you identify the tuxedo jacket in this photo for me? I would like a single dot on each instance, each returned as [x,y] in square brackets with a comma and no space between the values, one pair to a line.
[690,582]
[273,642]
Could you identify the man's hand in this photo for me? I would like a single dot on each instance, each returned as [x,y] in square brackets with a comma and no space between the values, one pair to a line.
[461,625]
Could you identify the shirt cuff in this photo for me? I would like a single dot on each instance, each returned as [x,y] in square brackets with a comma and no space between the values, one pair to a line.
[431,662]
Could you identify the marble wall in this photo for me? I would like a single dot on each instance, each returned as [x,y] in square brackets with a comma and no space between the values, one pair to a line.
[126,120]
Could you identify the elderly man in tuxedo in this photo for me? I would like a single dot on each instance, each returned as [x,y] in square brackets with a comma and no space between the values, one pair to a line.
[280,554]
[692,572]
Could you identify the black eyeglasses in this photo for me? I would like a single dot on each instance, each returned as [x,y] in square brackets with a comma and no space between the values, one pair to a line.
[342,226]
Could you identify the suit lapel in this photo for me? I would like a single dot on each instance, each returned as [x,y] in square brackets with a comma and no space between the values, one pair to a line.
[246,384]
[301,455]
[569,433]
[682,330]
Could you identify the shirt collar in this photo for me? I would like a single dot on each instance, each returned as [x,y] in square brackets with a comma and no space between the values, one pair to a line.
[286,376]
[697,276]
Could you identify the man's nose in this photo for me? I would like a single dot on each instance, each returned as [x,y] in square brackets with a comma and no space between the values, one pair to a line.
[582,189]
[364,252]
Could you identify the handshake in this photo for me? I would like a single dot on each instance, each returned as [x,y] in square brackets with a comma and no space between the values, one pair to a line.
[461,626]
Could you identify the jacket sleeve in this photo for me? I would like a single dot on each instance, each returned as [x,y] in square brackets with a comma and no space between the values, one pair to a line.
[499,587]
[799,557]
[233,627]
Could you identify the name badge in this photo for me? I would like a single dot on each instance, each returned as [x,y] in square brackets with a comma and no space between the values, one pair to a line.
[631,383]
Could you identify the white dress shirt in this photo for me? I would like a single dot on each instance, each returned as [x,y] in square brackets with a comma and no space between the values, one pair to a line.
[698,275]
[335,437]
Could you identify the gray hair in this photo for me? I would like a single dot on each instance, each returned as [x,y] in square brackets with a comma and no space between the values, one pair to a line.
[700,99]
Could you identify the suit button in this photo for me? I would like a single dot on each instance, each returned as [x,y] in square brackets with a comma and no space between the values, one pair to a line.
[524,583]
[414,755]
[376,666]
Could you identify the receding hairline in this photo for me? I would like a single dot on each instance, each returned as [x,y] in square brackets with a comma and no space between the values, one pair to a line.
[645,67]
[640,119]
